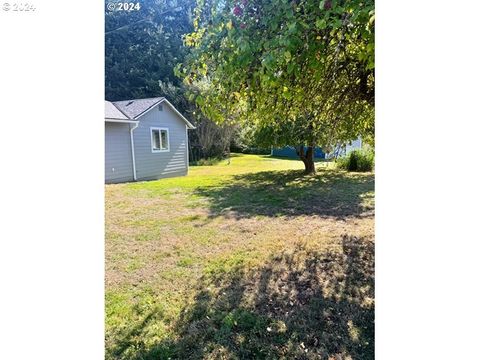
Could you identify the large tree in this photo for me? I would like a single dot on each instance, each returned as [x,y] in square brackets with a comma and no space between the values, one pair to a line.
[299,72]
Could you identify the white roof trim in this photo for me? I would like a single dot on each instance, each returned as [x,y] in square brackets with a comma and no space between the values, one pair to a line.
[189,124]
[122,121]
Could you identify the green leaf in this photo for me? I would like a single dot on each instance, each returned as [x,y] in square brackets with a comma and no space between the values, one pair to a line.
[288,56]
[337,23]
[321,24]
[290,68]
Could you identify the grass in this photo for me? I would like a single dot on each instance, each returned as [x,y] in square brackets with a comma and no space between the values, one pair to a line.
[241,261]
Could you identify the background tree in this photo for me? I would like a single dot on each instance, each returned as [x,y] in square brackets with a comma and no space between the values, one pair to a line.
[208,140]
[143,47]
[141,50]
[299,72]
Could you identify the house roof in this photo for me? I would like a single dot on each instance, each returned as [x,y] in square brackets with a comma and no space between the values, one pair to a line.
[133,109]
[111,112]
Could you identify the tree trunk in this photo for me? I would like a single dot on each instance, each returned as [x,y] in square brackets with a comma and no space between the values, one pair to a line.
[307,158]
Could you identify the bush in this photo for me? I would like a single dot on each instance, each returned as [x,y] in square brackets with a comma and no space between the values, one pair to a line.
[257,151]
[208,162]
[250,150]
[357,160]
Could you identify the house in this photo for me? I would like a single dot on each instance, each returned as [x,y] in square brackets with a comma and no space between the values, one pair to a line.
[291,152]
[340,150]
[145,139]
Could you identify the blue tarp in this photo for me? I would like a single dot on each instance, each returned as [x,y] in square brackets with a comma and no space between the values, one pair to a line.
[290,152]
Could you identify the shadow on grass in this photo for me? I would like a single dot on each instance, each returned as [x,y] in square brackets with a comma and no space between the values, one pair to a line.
[275,193]
[299,305]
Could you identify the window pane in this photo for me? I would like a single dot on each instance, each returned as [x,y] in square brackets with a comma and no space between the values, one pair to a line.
[156,139]
[164,140]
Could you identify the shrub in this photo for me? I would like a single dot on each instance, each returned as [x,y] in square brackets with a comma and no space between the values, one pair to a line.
[357,160]
[208,162]
[257,151]
[249,150]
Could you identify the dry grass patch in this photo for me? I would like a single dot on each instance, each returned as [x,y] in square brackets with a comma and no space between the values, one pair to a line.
[201,267]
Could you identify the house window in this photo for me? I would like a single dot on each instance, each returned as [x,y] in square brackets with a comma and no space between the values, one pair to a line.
[160,139]
[160,107]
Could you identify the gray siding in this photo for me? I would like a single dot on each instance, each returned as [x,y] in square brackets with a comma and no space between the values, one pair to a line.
[161,164]
[118,156]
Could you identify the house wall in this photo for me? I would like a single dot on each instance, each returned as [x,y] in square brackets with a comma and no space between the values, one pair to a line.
[342,151]
[354,145]
[118,156]
[160,164]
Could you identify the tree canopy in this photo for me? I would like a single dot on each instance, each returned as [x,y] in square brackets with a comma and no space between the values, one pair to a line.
[300,72]
[143,47]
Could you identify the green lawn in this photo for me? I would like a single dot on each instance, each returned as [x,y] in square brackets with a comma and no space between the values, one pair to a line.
[250,260]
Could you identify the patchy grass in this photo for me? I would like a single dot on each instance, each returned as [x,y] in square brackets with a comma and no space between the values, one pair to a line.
[240,261]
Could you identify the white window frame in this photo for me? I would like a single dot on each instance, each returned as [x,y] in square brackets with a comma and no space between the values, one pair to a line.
[160,135]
